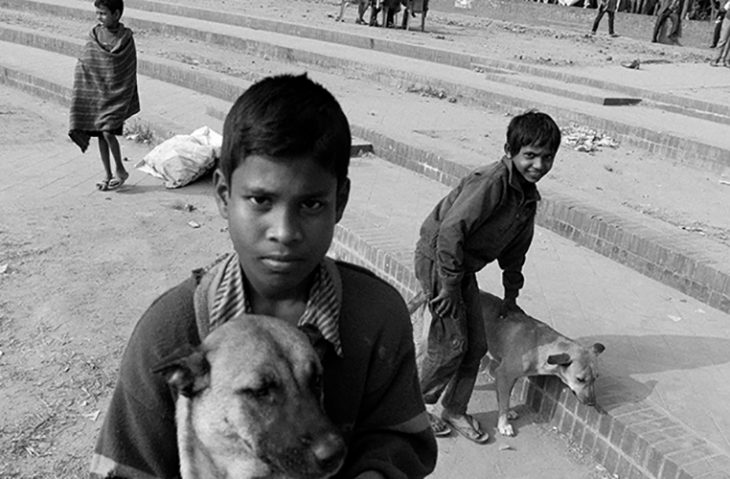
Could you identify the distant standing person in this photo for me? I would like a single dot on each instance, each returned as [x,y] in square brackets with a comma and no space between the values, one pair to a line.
[724,44]
[609,7]
[669,10]
[105,89]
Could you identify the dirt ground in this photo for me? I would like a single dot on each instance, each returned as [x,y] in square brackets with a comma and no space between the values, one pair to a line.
[70,295]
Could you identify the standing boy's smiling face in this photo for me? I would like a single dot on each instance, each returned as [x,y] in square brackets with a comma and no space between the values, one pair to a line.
[533,162]
[281,217]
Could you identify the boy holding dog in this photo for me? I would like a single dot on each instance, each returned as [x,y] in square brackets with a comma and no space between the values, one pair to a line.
[282,185]
[488,216]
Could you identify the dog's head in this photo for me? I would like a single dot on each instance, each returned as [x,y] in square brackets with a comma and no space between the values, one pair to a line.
[251,396]
[577,367]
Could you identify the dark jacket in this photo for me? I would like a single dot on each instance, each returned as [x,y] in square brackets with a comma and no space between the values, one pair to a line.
[489,215]
[371,393]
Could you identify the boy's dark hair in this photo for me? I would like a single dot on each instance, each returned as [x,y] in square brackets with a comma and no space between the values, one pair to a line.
[287,116]
[112,5]
[532,128]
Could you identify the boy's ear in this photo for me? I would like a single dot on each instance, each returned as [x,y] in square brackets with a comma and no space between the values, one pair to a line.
[506,150]
[222,192]
[343,194]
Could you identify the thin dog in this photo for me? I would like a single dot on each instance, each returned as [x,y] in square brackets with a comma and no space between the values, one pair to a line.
[524,346]
[250,405]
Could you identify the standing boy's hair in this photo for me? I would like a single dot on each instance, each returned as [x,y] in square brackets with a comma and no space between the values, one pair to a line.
[532,128]
[112,5]
[286,117]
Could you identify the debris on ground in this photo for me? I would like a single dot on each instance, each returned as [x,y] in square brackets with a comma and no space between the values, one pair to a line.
[3,268]
[633,64]
[585,139]
[193,224]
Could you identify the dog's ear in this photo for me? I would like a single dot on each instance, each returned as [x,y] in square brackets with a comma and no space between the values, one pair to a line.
[598,348]
[562,359]
[186,370]
[320,345]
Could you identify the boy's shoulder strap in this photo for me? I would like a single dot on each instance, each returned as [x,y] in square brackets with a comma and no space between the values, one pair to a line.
[204,293]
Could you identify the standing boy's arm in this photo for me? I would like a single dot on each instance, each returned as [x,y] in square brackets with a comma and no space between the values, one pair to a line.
[478,199]
[512,260]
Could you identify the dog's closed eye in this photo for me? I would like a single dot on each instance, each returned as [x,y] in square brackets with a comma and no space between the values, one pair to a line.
[262,392]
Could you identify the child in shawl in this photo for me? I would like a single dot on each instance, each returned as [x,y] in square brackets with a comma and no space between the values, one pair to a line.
[105,89]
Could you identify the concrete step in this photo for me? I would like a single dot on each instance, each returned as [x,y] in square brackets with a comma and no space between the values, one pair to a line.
[672,102]
[638,126]
[694,265]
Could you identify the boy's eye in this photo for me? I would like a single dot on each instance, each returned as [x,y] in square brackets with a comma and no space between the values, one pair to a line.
[259,201]
[312,205]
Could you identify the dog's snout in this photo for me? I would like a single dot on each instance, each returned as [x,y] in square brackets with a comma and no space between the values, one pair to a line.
[329,451]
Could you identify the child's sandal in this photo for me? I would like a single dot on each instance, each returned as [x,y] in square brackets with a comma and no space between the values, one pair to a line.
[103,185]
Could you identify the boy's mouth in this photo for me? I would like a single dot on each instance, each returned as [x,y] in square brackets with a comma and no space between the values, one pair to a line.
[281,263]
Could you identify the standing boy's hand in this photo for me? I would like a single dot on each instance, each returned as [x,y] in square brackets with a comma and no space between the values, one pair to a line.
[447,303]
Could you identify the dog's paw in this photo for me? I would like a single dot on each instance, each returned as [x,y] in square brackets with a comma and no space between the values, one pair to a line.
[504,427]
[512,414]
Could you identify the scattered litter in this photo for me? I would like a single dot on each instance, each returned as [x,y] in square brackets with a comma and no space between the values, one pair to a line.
[506,447]
[1,353]
[182,206]
[633,64]
[724,182]
[693,229]
[674,318]
[193,224]
[585,139]
[3,268]
[93,415]
[700,310]
[183,159]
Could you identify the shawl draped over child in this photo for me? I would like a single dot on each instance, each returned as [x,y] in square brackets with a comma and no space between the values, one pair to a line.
[105,87]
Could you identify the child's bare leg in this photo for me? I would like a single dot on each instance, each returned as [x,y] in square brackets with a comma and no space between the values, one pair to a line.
[116,153]
[104,153]
[122,174]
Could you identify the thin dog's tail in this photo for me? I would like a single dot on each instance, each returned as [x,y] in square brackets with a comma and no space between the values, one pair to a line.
[416,302]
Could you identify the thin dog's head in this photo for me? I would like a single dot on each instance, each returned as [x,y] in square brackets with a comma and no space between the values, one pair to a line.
[250,404]
[577,367]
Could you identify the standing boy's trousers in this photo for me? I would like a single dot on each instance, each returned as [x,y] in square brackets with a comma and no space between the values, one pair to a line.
[456,345]
[601,10]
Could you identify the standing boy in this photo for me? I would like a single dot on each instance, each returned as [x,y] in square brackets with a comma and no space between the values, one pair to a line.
[606,6]
[282,185]
[105,90]
[723,45]
[669,10]
[488,216]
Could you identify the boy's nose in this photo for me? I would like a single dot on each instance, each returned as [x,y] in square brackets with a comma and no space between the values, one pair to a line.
[285,227]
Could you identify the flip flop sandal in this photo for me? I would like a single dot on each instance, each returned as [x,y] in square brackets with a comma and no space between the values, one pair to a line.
[438,426]
[103,185]
[117,181]
[472,433]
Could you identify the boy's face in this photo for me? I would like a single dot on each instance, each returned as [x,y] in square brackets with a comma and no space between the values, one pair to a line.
[106,17]
[281,218]
[532,162]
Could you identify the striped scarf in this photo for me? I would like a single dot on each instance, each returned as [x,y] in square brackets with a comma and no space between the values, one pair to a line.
[228,298]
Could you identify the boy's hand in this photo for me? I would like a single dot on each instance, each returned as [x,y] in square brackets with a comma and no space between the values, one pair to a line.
[509,306]
[446,304]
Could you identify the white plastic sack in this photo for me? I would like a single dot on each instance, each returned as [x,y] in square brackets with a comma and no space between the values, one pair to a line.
[183,158]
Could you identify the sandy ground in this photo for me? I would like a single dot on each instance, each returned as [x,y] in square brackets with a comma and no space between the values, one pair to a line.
[95,261]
